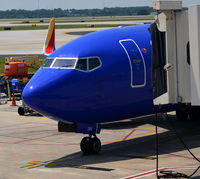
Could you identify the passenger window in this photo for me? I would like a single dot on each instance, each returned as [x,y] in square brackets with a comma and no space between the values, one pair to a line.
[47,62]
[94,63]
[64,63]
[82,64]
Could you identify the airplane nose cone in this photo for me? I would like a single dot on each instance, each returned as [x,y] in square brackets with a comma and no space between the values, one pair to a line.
[43,88]
[30,95]
[34,92]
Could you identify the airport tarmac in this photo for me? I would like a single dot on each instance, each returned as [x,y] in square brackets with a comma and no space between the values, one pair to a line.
[32,41]
[31,147]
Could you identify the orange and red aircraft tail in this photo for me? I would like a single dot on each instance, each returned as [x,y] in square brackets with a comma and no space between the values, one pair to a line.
[49,45]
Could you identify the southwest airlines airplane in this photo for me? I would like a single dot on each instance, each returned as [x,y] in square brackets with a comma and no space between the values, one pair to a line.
[100,77]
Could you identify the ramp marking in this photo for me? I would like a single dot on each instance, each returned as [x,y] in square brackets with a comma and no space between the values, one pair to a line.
[128,135]
[137,136]
[152,172]
[38,164]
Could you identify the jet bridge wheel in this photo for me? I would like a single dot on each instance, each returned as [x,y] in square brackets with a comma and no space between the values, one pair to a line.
[194,113]
[182,113]
[90,145]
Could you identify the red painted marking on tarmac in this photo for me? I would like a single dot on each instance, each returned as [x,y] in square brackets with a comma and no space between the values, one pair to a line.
[29,123]
[22,127]
[56,144]
[182,156]
[143,174]
[45,123]
[150,130]
[27,140]
[128,135]
[151,172]
[33,133]
[13,125]
[177,155]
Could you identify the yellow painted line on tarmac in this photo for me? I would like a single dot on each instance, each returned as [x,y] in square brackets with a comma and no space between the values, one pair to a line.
[27,121]
[150,158]
[44,118]
[82,167]
[136,136]
[37,164]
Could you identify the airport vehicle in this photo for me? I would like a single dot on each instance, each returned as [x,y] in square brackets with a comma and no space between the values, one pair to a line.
[15,78]
[100,77]
[16,73]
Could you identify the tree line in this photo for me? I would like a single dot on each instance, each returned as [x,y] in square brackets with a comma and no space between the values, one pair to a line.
[47,13]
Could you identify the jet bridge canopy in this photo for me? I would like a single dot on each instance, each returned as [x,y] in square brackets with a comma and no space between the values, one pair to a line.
[176,53]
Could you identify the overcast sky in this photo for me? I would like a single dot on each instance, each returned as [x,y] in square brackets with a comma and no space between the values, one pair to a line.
[77,4]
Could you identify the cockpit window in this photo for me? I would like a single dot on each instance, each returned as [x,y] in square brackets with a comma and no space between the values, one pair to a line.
[64,63]
[88,64]
[82,64]
[94,63]
[47,63]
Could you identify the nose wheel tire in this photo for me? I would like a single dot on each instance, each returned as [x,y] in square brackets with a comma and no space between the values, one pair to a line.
[90,145]
[95,145]
[85,145]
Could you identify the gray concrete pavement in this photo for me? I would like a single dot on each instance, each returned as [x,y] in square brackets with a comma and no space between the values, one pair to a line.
[32,42]
[31,147]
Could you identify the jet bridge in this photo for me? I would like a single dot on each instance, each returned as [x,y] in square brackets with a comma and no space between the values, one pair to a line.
[176,53]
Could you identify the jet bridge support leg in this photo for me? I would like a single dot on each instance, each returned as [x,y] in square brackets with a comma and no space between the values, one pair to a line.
[182,113]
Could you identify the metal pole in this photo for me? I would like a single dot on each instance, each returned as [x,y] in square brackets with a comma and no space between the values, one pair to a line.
[8,89]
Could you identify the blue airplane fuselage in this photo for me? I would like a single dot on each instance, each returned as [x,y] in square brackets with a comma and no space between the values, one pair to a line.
[119,89]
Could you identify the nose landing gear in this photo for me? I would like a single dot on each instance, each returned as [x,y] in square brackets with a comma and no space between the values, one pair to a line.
[90,145]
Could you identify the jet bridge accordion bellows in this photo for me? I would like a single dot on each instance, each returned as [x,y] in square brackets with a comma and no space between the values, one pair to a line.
[158,75]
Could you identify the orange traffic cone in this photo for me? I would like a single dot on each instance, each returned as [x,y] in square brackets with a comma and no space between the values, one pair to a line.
[13,100]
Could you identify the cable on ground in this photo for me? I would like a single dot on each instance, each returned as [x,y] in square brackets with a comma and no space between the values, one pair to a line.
[171,174]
